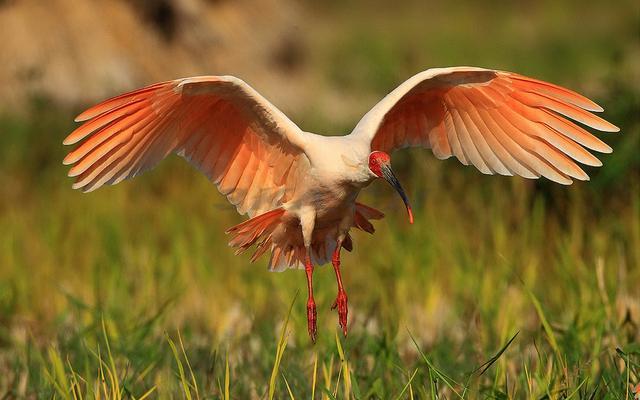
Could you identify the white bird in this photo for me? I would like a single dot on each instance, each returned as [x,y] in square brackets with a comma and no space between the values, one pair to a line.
[299,188]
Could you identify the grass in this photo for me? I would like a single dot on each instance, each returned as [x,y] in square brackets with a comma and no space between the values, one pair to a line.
[132,292]
[503,288]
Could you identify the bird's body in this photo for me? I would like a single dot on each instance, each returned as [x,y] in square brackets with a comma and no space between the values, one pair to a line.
[325,199]
[299,188]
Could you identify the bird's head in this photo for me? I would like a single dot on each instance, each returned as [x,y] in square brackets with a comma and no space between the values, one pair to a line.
[380,166]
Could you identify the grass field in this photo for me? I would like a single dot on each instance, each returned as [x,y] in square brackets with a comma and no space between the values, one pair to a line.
[503,288]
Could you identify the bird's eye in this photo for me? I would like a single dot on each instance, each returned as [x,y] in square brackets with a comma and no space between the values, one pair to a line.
[376,160]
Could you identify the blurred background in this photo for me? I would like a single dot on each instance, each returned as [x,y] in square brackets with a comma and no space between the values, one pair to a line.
[487,257]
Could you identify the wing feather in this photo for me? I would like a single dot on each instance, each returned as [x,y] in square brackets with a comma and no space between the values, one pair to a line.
[117,101]
[137,146]
[95,124]
[549,89]
[525,162]
[566,109]
[221,125]
[452,135]
[509,163]
[487,154]
[467,144]
[543,163]
[499,122]
[558,141]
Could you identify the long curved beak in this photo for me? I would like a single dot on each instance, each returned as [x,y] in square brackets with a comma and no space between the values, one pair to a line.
[389,176]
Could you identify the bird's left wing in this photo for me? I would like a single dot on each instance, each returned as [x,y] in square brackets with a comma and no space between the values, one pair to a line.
[498,121]
[240,141]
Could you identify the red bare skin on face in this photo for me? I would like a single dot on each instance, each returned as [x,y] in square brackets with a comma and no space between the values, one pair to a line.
[376,160]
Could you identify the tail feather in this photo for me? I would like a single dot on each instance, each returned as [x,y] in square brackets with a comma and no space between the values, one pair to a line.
[248,224]
[249,232]
[347,243]
[261,248]
[368,212]
[288,252]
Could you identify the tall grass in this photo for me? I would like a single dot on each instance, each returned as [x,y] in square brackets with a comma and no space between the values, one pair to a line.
[90,283]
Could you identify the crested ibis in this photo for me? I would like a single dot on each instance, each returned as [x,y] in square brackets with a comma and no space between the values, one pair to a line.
[299,188]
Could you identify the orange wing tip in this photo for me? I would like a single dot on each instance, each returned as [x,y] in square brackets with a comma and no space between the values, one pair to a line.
[605,149]
[595,107]
[594,162]
[613,129]
[580,175]
[73,137]
[73,157]
[69,159]
[92,112]
[69,140]
[570,95]
[119,100]
[86,187]
[605,126]
[76,170]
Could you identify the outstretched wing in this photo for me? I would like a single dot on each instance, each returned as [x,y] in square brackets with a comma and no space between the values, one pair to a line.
[498,121]
[240,141]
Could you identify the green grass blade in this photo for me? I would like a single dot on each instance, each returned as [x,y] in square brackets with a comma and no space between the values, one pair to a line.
[227,378]
[58,376]
[282,344]
[346,376]
[111,368]
[148,393]
[406,386]
[543,319]
[328,393]
[487,364]
[446,379]
[186,360]
[570,396]
[314,379]
[76,391]
[291,396]
[182,375]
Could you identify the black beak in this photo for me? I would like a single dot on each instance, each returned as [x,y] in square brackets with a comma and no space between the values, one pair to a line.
[388,175]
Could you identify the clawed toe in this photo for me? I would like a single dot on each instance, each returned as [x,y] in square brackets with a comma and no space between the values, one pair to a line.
[343,310]
[311,320]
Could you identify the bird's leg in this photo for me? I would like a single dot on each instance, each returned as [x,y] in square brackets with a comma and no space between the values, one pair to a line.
[311,304]
[341,299]
[307,222]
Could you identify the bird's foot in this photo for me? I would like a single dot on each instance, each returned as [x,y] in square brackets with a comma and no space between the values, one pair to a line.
[343,310]
[311,319]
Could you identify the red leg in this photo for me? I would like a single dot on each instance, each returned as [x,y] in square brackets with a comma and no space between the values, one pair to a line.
[311,304]
[341,299]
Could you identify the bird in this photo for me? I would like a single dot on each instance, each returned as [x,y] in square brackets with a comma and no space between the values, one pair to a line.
[300,189]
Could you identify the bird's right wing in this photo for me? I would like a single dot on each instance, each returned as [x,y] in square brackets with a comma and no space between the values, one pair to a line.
[241,142]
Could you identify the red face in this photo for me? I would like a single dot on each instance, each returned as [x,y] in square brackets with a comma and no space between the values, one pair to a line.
[380,165]
[377,160]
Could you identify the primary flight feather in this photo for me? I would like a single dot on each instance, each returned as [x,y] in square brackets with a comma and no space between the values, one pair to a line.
[299,188]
